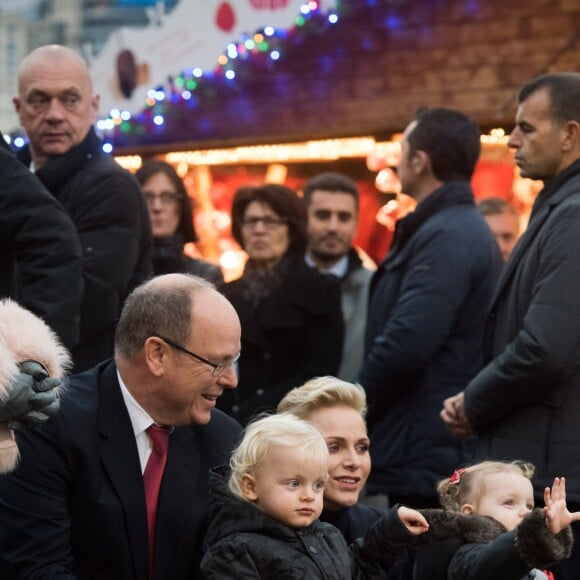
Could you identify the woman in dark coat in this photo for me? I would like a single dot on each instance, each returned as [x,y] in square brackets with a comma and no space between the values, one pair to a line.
[290,314]
[171,217]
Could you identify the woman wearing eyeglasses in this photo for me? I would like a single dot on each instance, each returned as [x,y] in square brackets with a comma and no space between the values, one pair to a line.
[290,314]
[171,218]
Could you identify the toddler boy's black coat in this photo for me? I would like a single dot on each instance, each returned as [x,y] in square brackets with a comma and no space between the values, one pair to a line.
[243,542]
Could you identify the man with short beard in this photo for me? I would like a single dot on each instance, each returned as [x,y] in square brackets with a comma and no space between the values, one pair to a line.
[332,201]
[427,308]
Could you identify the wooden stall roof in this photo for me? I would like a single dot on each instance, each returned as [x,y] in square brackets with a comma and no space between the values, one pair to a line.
[368,73]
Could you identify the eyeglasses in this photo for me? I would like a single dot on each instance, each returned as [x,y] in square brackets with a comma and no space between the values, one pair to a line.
[165,197]
[218,368]
[270,223]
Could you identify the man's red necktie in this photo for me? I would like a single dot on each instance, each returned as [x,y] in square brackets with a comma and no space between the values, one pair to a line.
[152,477]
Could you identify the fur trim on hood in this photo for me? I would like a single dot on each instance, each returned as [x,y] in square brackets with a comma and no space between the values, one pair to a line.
[445,525]
[24,336]
[534,541]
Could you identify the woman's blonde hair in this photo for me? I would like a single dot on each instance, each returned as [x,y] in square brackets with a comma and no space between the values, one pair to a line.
[322,393]
[467,484]
[283,430]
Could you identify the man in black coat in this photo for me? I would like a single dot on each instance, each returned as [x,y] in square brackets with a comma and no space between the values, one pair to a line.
[76,507]
[40,253]
[57,108]
[525,403]
[427,309]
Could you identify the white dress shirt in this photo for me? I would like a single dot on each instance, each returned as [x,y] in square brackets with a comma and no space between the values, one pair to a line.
[141,421]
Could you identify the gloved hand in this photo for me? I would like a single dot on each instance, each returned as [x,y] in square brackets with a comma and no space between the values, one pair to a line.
[31,396]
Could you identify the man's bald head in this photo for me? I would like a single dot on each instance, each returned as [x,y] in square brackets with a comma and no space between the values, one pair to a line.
[57,55]
[55,101]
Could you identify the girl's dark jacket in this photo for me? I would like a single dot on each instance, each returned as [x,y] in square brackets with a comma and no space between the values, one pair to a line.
[468,547]
[243,542]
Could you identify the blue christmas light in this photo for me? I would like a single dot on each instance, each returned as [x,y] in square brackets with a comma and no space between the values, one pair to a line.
[194,84]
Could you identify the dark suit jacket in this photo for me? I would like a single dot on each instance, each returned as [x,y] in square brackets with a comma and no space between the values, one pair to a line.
[75,506]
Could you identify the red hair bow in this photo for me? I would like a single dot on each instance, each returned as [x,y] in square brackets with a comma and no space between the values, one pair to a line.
[456,477]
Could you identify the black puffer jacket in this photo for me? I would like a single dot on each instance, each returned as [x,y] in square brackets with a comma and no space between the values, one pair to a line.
[243,542]
[468,547]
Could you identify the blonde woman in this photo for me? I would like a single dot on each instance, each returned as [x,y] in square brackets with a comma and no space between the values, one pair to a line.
[337,409]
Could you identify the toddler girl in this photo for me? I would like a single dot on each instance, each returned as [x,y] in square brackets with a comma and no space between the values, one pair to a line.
[489,511]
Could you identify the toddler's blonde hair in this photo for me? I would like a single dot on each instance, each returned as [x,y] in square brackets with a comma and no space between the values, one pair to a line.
[467,485]
[283,430]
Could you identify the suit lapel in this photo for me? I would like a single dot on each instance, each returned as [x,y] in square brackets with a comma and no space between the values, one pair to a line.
[120,460]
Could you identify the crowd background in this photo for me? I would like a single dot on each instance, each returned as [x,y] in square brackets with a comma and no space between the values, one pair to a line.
[205,333]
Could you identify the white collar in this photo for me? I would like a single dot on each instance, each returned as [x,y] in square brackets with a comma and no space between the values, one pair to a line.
[140,419]
[339,269]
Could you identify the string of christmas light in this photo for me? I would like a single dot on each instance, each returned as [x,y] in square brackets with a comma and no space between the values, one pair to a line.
[262,50]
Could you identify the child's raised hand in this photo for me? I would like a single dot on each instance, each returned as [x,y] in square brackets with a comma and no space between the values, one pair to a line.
[414,521]
[555,510]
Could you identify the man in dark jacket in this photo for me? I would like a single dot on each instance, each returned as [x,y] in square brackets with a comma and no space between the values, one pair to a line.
[427,308]
[332,201]
[40,253]
[524,404]
[57,108]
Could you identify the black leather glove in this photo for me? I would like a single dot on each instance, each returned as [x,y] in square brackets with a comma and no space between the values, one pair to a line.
[31,396]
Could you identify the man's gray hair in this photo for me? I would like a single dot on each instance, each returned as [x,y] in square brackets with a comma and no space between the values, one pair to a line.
[159,307]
